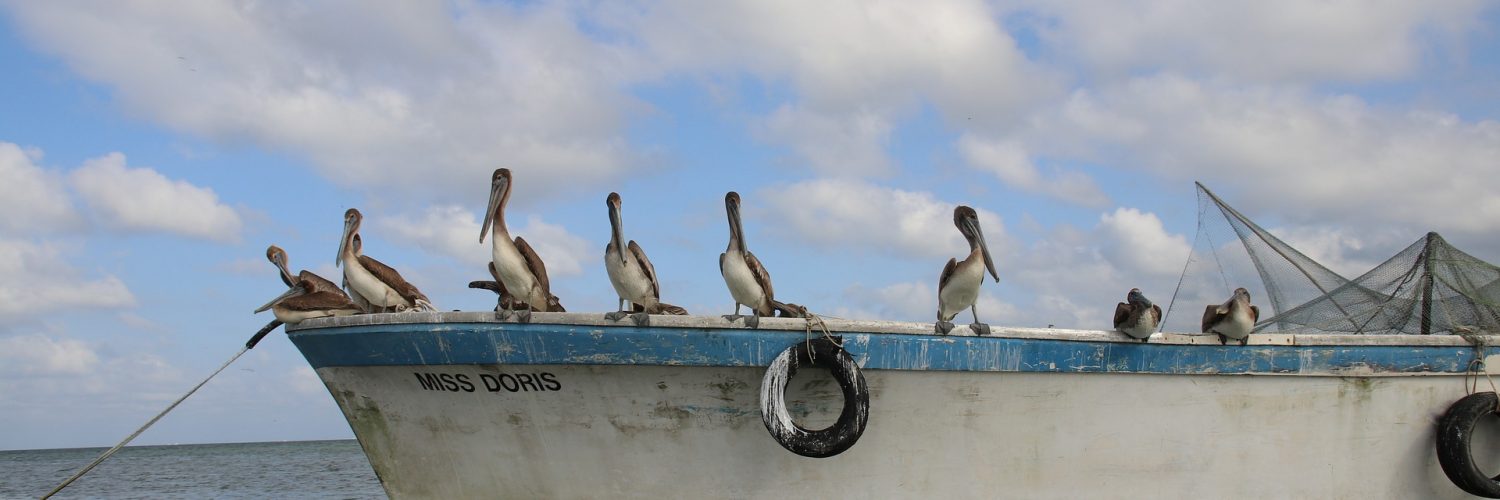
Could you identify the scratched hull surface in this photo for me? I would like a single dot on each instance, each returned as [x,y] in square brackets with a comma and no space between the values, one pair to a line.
[450,405]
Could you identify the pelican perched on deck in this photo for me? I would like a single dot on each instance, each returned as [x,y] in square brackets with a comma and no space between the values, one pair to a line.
[1233,319]
[381,286]
[958,286]
[505,301]
[277,256]
[307,299]
[631,273]
[359,300]
[1137,316]
[749,282]
[518,268]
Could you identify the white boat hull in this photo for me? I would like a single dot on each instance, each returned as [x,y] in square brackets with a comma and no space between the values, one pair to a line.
[447,429]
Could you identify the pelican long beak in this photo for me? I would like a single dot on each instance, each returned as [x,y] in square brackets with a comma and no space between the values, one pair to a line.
[496,190]
[291,292]
[616,234]
[736,231]
[344,242]
[984,248]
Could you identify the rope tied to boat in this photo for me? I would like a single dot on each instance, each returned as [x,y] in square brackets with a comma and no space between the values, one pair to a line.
[1476,363]
[808,331]
[250,344]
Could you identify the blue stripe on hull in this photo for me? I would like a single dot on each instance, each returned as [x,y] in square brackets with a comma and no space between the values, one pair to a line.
[552,344]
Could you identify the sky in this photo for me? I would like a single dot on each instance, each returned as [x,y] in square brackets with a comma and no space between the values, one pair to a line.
[150,151]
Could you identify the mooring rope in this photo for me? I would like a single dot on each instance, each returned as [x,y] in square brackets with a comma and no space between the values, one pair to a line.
[807,331]
[248,345]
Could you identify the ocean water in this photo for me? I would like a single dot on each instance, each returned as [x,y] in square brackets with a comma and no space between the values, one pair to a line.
[298,469]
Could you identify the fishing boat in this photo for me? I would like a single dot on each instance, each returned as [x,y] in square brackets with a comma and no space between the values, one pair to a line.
[462,405]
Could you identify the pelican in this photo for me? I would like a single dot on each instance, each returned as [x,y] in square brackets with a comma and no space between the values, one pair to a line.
[749,282]
[305,300]
[354,295]
[1233,319]
[377,283]
[1137,316]
[518,268]
[631,273]
[277,256]
[958,286]
[505,301]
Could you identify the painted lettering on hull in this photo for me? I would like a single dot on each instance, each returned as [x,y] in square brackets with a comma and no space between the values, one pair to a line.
[502,382]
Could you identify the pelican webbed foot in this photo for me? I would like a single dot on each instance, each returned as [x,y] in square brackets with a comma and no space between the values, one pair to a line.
[501,313]
[523,316]
[942,327]
[980,329]
[615,316]
[641,319]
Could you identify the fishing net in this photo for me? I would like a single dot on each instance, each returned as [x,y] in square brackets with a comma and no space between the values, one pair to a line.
[1428,288]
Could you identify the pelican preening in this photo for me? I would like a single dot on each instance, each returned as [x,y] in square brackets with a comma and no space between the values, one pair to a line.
[631,273]
[1137,316]
[308,299]
[382,287]
[277,256]
[1233,319]
[518,268]
[958,286]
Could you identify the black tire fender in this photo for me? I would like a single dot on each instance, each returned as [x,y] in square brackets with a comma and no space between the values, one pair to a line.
[851,423]
[1455,431]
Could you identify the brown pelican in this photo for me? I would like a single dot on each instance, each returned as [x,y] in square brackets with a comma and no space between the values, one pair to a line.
[518,268]
[377,283]
[305,300]
[277,256]
[958,286]
[505,301]
[1233,319]
[631,273]
[1137,316]
[354,295]
[749,282]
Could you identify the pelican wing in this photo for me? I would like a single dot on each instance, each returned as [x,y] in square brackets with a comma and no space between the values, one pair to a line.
[534,263]
[1254,314]
[762,277]
[319,284]
[1211,316]
[1156,314]
[1122,313]
[394,280]
[947,273]
[320,301]
[640,256]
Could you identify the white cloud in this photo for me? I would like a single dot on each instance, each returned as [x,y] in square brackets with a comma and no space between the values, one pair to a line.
[454,231]
[843,212]
[142,199]
[856,68]
[34,280]
[406,98]
[1007,159]
[853,143]
[1138,243]
[1334,158]
[31,197]
[1285,40]
[40,355]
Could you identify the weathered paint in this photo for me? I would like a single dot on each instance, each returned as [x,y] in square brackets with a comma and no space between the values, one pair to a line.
[1044,415]
[462,343]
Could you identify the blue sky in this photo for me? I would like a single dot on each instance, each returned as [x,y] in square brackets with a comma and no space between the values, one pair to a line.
[150,152]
